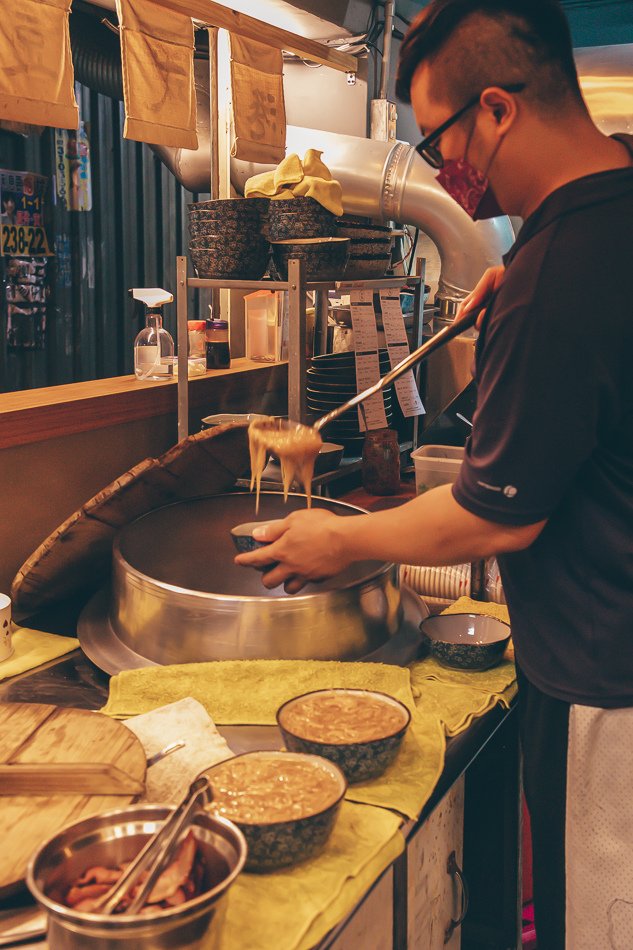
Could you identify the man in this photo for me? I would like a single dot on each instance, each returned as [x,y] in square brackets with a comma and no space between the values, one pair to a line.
[547,480]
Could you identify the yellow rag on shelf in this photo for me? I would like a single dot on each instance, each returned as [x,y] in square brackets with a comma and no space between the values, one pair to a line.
[294,908]
[250,692]
[459,696]
[294,178]
[34,648]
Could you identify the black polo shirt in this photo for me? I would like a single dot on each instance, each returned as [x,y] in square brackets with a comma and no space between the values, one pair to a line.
[553,438]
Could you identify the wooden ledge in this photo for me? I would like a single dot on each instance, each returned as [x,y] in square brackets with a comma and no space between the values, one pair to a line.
[39,414]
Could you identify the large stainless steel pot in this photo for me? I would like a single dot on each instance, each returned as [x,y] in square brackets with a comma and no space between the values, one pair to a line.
[178,597]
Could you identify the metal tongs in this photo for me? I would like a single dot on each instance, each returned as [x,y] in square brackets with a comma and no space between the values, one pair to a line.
[156,853]
[465,322]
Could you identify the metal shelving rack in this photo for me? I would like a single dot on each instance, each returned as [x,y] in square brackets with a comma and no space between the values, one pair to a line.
[296,287]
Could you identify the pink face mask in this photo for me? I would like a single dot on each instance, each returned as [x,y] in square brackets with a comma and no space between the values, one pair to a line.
[470,188]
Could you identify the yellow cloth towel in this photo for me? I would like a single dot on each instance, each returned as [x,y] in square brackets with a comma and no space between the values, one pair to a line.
[158,80]
[33,648]
[294,908]
[251,691]
[458,696]
[294,178]
[36,78]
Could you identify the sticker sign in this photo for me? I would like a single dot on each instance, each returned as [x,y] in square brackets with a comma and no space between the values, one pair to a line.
[398,347]
[372,414]
[22,231]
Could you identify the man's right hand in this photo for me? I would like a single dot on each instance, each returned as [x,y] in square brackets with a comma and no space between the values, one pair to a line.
[490,282]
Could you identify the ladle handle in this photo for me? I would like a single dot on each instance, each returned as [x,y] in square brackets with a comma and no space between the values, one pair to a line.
[446,334]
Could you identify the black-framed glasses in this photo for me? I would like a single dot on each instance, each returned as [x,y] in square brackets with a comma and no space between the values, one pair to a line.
[430,152]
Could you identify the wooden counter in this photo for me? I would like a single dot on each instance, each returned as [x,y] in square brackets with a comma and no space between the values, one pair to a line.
[39,414]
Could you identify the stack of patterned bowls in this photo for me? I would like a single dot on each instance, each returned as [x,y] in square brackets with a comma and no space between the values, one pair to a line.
[227,242]
[370,247]
[331,382]
[299,218]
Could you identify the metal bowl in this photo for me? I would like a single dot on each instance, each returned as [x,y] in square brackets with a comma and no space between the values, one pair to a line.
[111,839]
[178,596]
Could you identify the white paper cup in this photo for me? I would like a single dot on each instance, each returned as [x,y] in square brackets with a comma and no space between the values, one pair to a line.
[6,643]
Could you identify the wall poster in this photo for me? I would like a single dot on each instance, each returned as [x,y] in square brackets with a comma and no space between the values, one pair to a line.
[24,249]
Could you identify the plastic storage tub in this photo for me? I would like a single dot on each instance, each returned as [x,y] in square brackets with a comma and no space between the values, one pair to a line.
[436,465]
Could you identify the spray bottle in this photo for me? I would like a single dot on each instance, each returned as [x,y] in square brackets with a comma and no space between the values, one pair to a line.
[153,347]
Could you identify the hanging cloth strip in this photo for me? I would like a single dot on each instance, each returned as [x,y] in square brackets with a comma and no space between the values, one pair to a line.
[158,83]
[36,69]
[257,92]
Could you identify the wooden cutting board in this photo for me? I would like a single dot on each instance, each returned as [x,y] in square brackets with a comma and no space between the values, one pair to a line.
[33,733]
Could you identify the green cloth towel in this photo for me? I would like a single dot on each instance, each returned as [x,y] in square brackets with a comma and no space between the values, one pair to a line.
[250,692]
[33,648]
[295,908]
[459,696]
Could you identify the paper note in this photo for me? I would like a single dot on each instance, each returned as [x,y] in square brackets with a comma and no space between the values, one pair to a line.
[398,347]
[371,414]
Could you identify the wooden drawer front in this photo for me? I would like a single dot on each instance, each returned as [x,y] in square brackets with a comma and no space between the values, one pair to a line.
[433,899]
[371,927]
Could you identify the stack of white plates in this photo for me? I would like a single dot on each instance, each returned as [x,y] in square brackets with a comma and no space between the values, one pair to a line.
[441,583]
[493,585]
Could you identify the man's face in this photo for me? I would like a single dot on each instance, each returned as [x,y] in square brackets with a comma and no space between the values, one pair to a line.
[430,113]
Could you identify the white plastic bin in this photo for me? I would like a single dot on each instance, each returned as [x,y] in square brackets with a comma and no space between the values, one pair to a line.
[436,465]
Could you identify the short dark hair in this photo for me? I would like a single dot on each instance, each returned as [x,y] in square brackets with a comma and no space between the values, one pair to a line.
[479,43]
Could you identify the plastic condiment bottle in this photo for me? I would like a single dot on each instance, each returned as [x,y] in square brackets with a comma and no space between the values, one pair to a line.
[217,339]
[154,346]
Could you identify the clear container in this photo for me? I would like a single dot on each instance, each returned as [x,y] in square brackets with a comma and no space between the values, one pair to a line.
[436,465]
[154,349]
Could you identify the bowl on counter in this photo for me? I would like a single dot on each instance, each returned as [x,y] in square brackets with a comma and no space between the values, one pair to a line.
[324,258]
[466,641]
[284,803]
[359,730]
[116,837]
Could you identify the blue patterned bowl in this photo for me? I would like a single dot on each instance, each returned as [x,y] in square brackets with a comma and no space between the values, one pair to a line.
[242,535]
[278,844]
[358,760]
[466,641]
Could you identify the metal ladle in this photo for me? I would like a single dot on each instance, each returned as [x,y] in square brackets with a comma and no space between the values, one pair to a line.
[465,322]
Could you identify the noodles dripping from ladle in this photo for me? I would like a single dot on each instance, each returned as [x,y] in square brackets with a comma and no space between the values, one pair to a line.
[296,446]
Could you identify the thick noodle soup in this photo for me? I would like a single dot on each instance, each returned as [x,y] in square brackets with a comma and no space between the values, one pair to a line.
[296,447]
[263,790]
[343,717]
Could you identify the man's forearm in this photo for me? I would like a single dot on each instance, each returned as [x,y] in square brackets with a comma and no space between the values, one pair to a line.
[431,529]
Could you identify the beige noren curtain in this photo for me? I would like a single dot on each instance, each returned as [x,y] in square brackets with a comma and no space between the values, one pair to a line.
[158,85]
[259,112]
[36,69]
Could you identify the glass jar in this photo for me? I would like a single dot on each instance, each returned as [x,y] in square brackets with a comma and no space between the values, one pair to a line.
[381,462]
[217,340]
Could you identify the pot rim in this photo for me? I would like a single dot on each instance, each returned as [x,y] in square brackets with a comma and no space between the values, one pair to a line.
[370,579]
